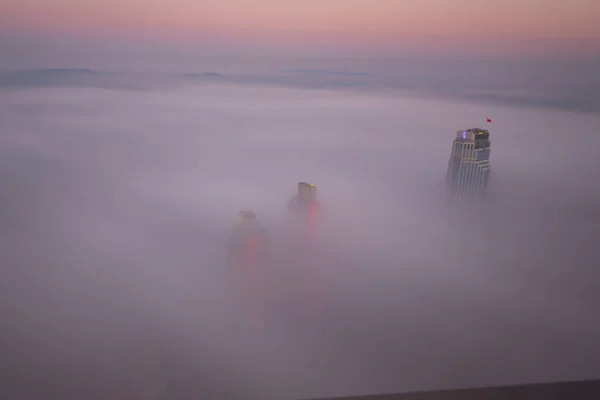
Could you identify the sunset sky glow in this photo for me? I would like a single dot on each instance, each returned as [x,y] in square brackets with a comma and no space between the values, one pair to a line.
[367,23]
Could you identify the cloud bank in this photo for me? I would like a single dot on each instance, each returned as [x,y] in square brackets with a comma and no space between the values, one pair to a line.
[116,206]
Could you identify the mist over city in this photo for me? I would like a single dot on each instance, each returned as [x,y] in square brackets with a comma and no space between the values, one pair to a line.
[266,200]
[117,204]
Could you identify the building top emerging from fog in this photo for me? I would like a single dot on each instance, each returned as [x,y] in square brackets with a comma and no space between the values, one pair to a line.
[246,216]
[305,201]
[477,135]
[469,164]
[307,191]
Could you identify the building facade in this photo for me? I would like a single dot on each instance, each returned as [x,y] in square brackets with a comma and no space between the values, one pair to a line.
[469,165]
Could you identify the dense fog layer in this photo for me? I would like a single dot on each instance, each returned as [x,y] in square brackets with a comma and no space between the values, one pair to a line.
[116,206]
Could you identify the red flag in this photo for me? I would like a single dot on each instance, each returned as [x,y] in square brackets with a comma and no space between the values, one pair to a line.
[489,120]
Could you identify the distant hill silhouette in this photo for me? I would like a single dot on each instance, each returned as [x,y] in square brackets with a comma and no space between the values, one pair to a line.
[47,77]
[203,75]
[68,70]
[326,72]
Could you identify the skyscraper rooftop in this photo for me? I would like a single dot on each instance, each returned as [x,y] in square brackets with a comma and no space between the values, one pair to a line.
[469,165]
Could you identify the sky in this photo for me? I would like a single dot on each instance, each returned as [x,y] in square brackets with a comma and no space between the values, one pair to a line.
[363,27]
[118,200]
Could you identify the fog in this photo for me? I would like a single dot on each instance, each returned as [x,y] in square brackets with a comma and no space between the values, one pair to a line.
[116,206]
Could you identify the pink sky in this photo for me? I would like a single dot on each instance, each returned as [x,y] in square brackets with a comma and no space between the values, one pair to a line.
[370,23]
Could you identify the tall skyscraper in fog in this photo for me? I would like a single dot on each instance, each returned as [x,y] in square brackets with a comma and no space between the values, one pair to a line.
[469,165]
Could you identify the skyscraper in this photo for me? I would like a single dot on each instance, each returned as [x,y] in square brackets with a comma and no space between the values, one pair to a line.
[469,165]
[305,200]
